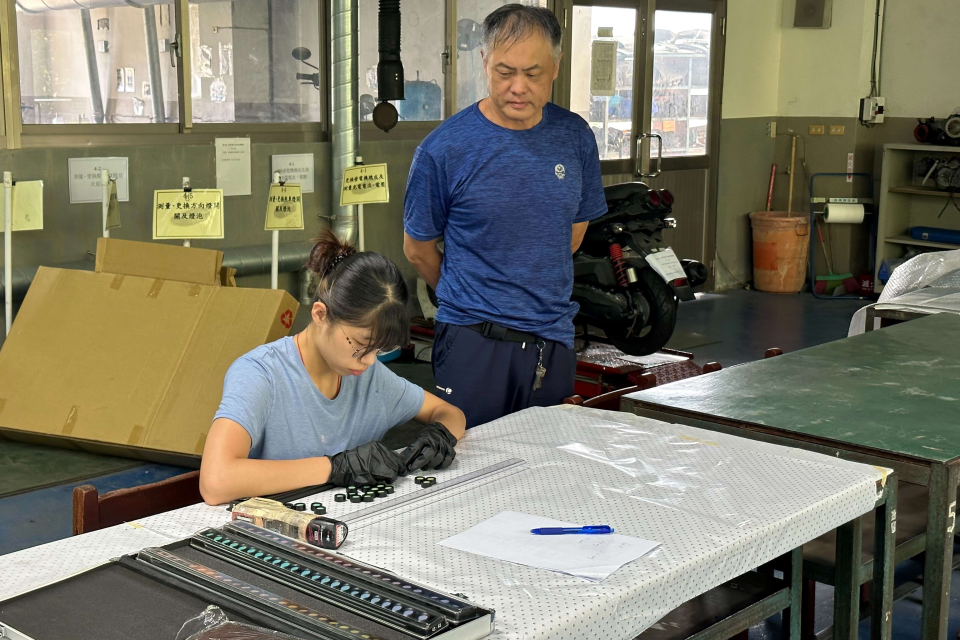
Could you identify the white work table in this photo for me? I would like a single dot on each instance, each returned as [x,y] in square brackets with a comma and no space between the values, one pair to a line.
[720,506]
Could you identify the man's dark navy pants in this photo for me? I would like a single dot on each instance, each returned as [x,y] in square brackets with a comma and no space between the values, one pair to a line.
[489,378]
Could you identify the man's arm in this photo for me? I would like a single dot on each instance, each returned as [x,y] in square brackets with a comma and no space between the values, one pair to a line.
[579,230]
[425,257]
[227,473]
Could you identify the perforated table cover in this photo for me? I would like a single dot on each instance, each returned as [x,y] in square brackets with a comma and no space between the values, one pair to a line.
[720,505]
[30,568]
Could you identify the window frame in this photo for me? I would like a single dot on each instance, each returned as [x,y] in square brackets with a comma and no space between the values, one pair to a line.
[10,69]
[643,72]
[714,81]
[14,134]
[18,135]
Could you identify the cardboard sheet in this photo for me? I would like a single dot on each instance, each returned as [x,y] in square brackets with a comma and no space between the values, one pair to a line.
[154,260]
[126,364]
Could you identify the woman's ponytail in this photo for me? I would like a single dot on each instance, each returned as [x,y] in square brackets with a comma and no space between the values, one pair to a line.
[361,290]
[327,253]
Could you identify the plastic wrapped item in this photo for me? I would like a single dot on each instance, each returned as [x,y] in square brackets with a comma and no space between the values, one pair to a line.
[938,269]
[213,624]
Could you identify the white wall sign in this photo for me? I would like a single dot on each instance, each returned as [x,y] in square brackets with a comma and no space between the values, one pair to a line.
[603,68]
[85,178]
[297,168]
[233,166]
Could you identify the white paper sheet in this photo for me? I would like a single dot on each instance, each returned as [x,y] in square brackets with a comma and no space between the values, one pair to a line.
[506,536]
[666,264]
[233,166]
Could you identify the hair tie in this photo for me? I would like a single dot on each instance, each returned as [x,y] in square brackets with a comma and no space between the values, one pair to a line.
[333,263]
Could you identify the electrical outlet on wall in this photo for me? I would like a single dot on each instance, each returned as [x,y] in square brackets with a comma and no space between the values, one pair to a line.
[871,110]
[772,128]
[837,129]
[816,130]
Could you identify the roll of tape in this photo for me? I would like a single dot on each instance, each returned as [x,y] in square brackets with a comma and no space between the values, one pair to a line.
[838,213]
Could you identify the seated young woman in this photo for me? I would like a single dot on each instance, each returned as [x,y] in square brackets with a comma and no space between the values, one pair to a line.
[311,409]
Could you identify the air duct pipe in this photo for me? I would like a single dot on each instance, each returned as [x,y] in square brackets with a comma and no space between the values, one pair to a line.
[93,72]
[248,261]
[346,125]
[153,64]
[255,260]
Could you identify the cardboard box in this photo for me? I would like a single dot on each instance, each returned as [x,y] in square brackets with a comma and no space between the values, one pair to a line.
[165,261]
[130,365]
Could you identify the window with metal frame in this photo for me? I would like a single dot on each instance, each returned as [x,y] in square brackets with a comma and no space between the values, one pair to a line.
[102,65]
[601,75]
[255,61]
[681,81]
[89,76]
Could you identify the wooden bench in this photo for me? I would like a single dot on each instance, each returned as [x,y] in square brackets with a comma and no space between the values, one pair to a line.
[92,511]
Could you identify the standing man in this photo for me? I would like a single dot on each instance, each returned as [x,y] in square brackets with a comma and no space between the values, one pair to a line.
[510,183]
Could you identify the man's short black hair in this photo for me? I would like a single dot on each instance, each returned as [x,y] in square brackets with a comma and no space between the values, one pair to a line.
[513,22]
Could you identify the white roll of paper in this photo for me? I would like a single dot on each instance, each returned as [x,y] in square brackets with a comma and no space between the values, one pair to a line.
[834,212]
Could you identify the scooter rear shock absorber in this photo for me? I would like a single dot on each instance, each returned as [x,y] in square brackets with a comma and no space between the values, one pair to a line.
[619,266]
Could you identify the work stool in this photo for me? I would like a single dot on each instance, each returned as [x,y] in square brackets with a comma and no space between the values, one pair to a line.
[92,511]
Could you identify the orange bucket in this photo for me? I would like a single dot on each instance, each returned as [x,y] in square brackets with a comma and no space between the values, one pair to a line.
[780,246]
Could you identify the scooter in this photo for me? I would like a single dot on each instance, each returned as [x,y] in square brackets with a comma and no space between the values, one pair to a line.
[627,281]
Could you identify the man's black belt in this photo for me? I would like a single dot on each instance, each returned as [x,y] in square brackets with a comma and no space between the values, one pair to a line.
[495,331]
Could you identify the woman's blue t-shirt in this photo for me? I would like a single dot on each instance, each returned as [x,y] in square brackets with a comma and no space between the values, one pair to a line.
[269,393]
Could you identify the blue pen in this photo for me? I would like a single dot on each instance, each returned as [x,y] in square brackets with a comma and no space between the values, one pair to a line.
[559,531]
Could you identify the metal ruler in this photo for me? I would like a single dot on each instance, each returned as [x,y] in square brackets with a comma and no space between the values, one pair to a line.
[508,467]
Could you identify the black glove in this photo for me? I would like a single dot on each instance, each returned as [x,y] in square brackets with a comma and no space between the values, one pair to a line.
[433,449]
[367,464]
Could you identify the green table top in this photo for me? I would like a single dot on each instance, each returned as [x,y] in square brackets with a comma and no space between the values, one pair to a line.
[895,389]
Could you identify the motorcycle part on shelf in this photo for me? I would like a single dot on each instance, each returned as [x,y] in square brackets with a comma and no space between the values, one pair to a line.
[626,280]
[944,172]
[942,132]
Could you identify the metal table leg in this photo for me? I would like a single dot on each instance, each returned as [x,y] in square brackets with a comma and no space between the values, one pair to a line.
[793,614]
[846,599]
[884,548]
[941,521]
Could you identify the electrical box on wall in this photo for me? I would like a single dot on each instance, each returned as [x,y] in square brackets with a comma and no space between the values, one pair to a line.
[871,110]
[813,14]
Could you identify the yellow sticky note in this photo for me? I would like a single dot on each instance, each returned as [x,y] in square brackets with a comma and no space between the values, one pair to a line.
[284,208]
[184,215]
[113,207]
[27,206]
[364,184]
